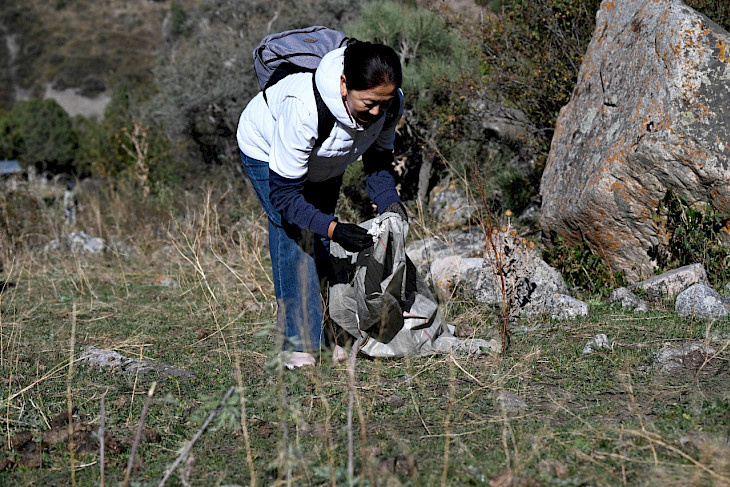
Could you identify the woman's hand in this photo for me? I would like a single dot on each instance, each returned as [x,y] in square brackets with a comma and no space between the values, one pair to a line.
[351,237]
[399,209]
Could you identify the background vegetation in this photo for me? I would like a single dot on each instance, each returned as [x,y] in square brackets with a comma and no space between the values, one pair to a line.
[160,174]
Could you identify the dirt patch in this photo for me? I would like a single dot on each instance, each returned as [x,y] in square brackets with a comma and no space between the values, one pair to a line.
[27,447]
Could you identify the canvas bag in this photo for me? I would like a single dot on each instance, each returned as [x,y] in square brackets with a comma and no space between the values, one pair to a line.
[379,297]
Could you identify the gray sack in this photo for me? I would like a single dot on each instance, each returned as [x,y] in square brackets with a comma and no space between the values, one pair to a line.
[383,301]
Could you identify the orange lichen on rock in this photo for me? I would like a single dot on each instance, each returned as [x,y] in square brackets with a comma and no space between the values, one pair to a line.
[722,46]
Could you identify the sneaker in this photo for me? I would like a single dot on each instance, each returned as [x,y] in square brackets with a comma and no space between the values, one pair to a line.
[339,354]
[293,360]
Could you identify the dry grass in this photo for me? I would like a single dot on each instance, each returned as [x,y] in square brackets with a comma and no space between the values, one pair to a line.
[605,419]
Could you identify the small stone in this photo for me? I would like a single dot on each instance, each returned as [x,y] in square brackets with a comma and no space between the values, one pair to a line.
[564,307]
[598,342]
[509,402]
[628,300]
[395,401]
[166,281]
[691,355]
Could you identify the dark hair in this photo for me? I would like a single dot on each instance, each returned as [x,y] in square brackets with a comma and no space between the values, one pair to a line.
[368,65]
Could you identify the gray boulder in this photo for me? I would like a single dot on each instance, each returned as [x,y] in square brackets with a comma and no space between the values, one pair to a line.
[649,112]
[669,284]
[701,301]
[528,280]
[449,272]
[77,243]
[450,205]
[628,300]
[464,243]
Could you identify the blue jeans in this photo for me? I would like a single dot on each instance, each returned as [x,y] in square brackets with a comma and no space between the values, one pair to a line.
[300,260]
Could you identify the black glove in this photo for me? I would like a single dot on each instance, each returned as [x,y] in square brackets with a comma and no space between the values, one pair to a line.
[399,208]
[352,237]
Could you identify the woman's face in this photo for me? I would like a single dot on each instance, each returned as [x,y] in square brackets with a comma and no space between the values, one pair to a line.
[366,106]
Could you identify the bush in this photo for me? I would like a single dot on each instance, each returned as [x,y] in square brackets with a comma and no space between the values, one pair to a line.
[434,57]
[439,66]
[696,233]
[122,147]
[39,133]
[585,272]
[205,78]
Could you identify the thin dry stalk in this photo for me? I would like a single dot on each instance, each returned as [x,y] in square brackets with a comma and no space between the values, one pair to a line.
[447,421]
[102,436]
[488,230]
[244,426]
[505,433]
[69,397]
[653,439]
[194,247]
[418,411]
[190,444]
[138,434]
[136,146]
[134,387]
[350,404]
[284,466]
[635,406]
[48,375]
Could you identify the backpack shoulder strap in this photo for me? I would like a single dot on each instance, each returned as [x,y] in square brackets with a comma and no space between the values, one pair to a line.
[325,119]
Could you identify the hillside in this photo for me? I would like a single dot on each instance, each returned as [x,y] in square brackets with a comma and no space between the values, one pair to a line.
[84,45]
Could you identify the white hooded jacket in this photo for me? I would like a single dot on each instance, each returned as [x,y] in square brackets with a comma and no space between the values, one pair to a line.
[283,131]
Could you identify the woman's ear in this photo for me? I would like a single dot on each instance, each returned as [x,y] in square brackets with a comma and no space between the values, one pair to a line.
[343,86]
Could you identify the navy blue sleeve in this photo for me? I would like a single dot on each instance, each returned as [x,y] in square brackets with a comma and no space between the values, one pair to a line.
[287,196]
[377,165]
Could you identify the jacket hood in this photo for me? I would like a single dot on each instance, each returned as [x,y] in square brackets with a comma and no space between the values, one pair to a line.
[327,77]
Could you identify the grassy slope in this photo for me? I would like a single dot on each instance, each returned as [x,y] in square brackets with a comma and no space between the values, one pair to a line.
[604,419]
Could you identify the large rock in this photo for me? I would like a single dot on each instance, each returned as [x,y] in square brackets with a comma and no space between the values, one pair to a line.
[668,285]
[701,301]
[649,112]
[450,205]
[462,243]
[77,243]
[449,272]
[529,282]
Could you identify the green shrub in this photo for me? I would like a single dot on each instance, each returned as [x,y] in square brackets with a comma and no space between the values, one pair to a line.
[533,50]
[696,233]
[107,147]
[39,133]
[584,272]
[435,57]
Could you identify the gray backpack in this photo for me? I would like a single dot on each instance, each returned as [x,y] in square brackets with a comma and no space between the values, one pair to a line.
[297,51]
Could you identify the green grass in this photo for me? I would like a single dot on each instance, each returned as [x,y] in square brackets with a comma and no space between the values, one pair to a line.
[607,419]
